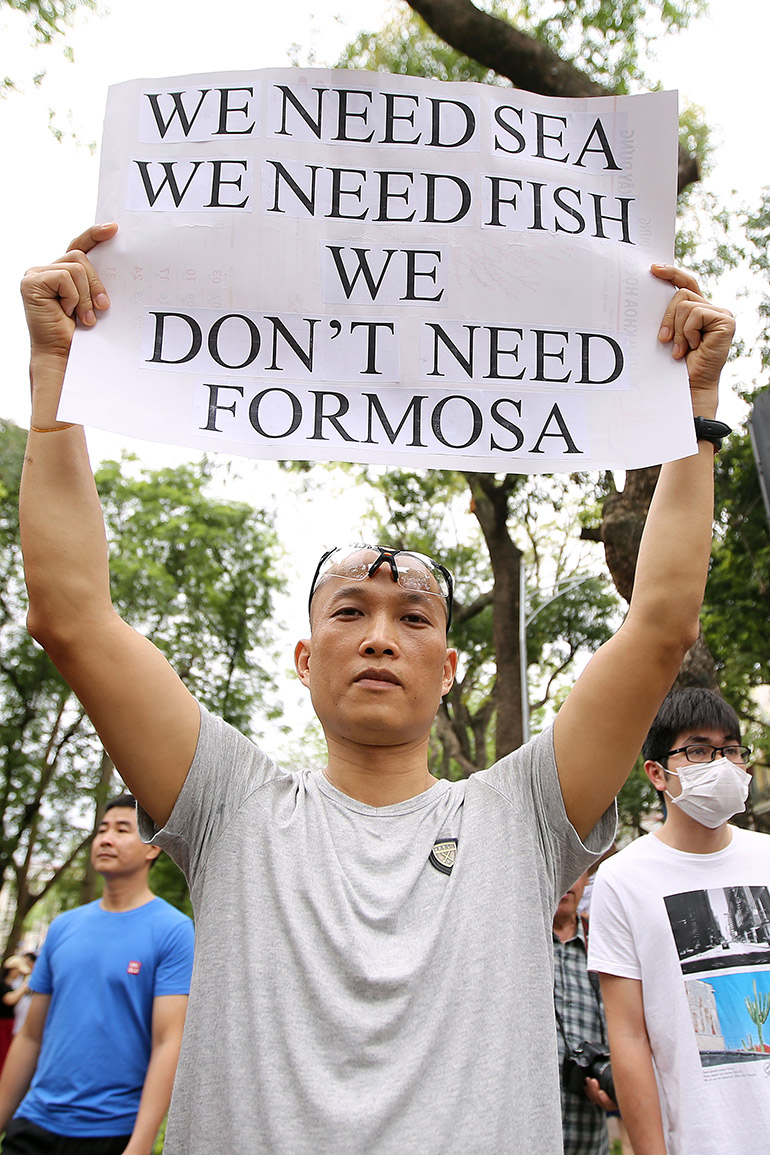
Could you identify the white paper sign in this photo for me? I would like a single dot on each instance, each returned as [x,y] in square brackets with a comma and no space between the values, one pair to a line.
[354,266]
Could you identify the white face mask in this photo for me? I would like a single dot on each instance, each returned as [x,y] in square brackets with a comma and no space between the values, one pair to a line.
[712,792]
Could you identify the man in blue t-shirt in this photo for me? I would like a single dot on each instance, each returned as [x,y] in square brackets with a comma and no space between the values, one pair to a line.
[91,1071]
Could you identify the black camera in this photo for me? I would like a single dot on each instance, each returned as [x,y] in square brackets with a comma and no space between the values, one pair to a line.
[588,1061]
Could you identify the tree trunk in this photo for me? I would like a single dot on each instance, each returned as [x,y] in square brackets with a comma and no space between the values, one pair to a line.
[698,668]
[490,505]
[17,927]
[102,792]
[450,733]
[26,900]
[623,516]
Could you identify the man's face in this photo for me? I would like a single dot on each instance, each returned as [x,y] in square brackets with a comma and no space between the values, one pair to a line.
[117,848]
[696,736]
[377,663]
[569,902]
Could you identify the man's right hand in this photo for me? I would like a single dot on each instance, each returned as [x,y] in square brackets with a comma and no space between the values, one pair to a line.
[55,295]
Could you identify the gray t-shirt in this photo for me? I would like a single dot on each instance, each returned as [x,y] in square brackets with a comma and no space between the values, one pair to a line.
[350,996]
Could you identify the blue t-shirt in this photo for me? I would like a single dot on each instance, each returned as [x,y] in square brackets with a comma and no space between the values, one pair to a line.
[102,970]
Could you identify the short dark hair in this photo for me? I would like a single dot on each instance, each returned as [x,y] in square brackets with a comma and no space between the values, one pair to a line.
[692,709]
[126,801]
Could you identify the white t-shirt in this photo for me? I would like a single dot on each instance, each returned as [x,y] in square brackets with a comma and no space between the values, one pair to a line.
[21,1008]
[695,929]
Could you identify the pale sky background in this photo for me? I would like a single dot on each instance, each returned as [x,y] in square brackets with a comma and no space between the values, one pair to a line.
[48,191]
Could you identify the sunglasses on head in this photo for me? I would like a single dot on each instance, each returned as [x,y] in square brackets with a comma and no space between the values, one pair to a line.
[413,571]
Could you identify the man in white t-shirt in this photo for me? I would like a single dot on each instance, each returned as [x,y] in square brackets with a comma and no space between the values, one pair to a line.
[680,932]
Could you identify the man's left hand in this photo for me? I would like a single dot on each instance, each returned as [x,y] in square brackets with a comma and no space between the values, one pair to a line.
[698,332]
[598,1096]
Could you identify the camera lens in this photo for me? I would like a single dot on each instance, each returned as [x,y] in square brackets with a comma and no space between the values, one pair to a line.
[602,1072]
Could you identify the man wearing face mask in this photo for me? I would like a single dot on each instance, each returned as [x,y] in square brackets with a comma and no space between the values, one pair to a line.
[680,933]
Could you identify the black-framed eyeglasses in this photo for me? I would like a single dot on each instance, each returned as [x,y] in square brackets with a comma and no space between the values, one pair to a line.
[412,571]
[701,752]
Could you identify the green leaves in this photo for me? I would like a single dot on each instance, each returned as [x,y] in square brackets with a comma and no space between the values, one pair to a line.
[735,612]
[196,573]
[407,47]
[607,39]
[48,18]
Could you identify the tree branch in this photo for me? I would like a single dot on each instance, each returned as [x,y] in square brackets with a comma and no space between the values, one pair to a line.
[552,678]
[464,613]
[526,62]
[58,872]
[498,45]
[451,743]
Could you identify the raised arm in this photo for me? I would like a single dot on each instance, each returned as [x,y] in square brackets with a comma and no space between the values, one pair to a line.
[145,717]
[600,728]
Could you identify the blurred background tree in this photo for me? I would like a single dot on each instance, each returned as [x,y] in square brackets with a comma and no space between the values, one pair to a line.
[196,574]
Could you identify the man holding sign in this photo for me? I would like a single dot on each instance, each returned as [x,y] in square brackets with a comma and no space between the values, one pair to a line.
[386,985]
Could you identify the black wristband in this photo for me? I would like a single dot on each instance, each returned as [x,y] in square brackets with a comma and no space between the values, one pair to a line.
[713,431]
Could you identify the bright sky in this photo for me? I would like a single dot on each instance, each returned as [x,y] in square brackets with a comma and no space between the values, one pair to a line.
[48,193]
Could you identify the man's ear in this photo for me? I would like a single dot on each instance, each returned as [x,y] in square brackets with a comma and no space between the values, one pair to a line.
[302,660]
[656,774]
[450,669]
[153,852]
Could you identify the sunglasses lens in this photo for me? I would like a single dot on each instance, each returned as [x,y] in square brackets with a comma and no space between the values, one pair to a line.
[352,563]
[413,571]
[414,574]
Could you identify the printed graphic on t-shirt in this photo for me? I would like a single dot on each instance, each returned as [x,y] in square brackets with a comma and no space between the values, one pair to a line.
[722,938]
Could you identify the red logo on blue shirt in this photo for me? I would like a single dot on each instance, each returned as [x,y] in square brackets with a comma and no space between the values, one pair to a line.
[134,967]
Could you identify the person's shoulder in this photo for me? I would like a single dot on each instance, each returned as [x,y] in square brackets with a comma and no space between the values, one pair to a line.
[235,756]
[167,914]
[536,750]
[754,840]
[172,932]
[69,922]
[640,849]
[214,730]
[76,914]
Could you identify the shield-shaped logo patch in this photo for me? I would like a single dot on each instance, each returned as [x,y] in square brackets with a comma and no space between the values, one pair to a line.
[444,855]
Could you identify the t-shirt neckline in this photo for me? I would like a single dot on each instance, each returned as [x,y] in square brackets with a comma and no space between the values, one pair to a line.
[710,856]
[425,798]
